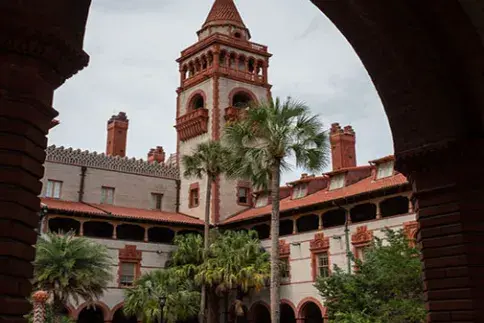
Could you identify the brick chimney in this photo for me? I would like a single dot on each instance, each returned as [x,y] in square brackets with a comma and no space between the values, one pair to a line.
[343,150]
[117,133]
[156,154]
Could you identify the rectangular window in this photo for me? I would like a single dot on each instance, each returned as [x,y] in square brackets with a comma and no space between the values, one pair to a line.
[337,181]
[107,195]
[243,195]
[299,191]
[361,253]
[323,264]
[156,201]
[285,268]
[194,198]
[262,200]
[385,170]
[53,189]
[127,273]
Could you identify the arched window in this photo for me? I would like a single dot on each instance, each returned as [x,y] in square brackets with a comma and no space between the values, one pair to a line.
[241,100]
[64,225]
[197,102]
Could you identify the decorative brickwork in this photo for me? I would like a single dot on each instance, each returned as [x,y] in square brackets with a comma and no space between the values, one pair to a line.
[284,249]
[192,124]
[319,245]
[39,298]
[362,236]
[410,229]
[114,163]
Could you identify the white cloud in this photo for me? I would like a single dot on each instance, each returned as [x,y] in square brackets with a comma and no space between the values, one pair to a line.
[133,46]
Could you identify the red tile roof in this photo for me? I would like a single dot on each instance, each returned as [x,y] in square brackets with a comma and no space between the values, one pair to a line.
[224,11]
[367,184]
[119,212]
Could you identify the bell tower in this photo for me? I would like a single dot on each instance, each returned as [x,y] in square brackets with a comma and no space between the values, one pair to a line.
[219,76]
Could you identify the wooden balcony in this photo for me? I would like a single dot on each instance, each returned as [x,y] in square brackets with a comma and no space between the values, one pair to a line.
[192,124]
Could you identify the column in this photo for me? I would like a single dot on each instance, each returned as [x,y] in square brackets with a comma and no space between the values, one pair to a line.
[294,226]
[115,227]
[81,228]
[39,298]
[216,59]
[410,205]
[448,187]
[38,52]
[265,75]
[378,210]
[320,223]
[146,235]
[348,216]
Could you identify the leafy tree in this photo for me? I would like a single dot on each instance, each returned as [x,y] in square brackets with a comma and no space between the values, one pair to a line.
[236,261]
[181,297]
[70,267]
[262,142]
[209,158]
[385,288]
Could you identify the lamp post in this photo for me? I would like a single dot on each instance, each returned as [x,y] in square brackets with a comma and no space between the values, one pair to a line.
[162,301]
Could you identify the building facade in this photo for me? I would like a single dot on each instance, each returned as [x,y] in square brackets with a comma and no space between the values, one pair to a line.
[136,207]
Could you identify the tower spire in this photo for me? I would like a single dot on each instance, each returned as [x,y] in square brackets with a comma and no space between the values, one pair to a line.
[224,12]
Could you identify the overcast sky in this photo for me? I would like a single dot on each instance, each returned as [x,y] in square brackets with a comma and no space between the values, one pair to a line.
[133,45]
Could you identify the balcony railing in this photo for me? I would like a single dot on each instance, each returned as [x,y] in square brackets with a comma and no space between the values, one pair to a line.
[192,124]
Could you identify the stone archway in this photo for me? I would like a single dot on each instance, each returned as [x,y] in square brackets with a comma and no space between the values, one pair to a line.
[425,59]
[310,310]
[288,312]
[260,313]
[119,317]
[90,315]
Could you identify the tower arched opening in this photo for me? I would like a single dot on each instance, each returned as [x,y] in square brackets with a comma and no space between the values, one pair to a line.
[241,100]
[197,102]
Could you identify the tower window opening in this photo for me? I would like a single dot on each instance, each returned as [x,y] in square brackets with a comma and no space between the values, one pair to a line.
[260,64]
[222,58]
[232,60]
[251,66]
[191,70]
[197,102]
[204,63]
[237,35]
[241,100]
[197,66]
[210,59]
[241,64]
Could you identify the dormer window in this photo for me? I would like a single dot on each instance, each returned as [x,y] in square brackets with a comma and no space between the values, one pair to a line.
[299,191]
[337,181]
[385,170]
[262,200]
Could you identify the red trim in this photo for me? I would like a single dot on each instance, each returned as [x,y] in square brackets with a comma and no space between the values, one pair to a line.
[188,107]
[240,89]
[104,308]
[193,186]
[317,246]
[129,254]
[303,303]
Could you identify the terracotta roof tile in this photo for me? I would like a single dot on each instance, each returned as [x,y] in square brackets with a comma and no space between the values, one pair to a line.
[224,11]
[367,184]
[119,212]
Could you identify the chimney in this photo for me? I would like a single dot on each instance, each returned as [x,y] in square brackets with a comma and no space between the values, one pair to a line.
[156,154]
[343,150]
[117,133]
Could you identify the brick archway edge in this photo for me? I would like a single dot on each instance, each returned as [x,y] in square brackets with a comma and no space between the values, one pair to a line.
[104,308]
[304,302]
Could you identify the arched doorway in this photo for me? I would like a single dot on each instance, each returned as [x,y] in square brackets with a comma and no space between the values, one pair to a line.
[91,315]
[119,317]
[311,313]
[259,313]
[287,314]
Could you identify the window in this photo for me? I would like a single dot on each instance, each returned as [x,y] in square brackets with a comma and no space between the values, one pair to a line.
[262,200]
[53,189]
[337,181]
[127,274]
[361,252]
[107,195]
[194,198]
[243,195]
[385,170]
[299,191]
[285,269]
[323,264]
[156,200]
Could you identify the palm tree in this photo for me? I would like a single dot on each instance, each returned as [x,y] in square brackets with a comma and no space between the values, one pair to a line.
[262,142]
[70,267]
[180,296]
[209,158]
[238,262]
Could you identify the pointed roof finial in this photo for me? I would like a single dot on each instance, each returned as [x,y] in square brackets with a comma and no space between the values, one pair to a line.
[224,12]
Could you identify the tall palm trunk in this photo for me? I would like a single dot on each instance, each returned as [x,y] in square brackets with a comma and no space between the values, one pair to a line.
[202,314]
[275,273]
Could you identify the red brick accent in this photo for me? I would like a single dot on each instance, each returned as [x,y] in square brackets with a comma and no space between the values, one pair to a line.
[156,154]
[117,135]
[410,229]
[343,151]
[361,239]
[320,244]
[284,249]
[304,301]
[129,254]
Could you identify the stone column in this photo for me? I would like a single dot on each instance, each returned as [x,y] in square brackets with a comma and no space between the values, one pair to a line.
[115,234]
[81,228]
[448,186]
[40,47]
[39,299]
[294,226]
[378,210]
[320,222]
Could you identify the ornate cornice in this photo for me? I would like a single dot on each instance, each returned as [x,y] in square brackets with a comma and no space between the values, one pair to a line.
[363,236]
[320,243]
[77,157]
[129,253]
